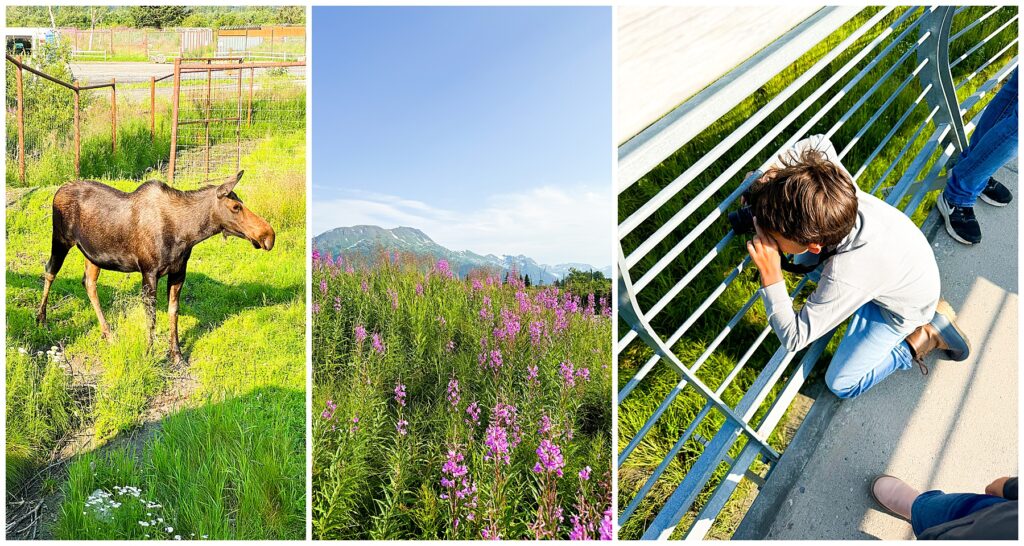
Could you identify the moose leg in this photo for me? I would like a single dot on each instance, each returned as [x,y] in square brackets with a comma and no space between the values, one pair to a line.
[149,280]
[58,251]
[92,272]
[174,284]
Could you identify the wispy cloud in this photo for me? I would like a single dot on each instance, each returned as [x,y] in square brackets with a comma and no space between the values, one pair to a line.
[550,224]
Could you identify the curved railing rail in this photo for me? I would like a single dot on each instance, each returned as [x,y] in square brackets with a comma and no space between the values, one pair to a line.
[665,245]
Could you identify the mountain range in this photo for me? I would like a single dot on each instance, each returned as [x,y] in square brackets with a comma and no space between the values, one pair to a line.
[367,240]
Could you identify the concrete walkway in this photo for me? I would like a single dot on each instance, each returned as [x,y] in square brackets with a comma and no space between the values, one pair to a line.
[954,430]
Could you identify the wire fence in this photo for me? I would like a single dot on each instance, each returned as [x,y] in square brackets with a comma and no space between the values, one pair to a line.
[205,119]
[270,43]
[229,114]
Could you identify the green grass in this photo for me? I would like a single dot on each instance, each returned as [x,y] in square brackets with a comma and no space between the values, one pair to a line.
[645,398]
[231,464]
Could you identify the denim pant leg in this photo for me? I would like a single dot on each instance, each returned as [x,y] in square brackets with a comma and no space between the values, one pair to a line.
[993,143]
[935,508]
[870,350]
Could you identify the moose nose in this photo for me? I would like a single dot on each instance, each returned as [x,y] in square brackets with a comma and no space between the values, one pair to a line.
[268,240]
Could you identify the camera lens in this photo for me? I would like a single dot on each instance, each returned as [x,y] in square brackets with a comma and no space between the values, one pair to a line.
[742,221]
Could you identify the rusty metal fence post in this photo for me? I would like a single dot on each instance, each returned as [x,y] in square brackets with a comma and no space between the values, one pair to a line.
[78,135]
[21,128]
[152,108]
[175,92]
[252,79]
[113,116]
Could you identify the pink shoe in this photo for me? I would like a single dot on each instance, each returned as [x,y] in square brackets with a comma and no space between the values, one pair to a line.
[893,495]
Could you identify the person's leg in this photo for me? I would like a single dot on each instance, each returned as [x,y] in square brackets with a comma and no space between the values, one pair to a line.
[933,508]
[993,143]
[870,350]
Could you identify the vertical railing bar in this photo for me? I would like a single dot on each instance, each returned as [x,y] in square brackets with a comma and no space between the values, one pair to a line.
[881,109]
[625,341]
[743,360]
[972,24]
[681,181]
[987,63]
[982,43]
[885,140]
[937,166]
[987,87]
[698,200]
[874,88]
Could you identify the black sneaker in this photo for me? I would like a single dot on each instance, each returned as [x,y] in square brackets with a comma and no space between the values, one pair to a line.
[961,223]
[996,194]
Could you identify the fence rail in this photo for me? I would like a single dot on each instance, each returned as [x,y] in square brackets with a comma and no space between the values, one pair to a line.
[672,245]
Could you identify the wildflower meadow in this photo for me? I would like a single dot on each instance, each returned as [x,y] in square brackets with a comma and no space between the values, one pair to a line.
[457,408]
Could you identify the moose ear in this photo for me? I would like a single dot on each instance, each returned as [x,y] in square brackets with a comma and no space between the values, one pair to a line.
[227,187]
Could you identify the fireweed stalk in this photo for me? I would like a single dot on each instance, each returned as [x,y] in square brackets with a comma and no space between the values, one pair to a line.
[462,387]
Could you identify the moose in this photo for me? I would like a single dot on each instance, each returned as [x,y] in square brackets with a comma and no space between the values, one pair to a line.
[151,230]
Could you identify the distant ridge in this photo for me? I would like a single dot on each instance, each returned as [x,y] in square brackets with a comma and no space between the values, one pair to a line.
[366,240]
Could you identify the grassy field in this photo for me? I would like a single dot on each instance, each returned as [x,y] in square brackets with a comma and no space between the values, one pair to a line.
[457,409]
[218,445]
[644,399]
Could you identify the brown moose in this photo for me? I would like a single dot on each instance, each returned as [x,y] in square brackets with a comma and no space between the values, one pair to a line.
[151,230]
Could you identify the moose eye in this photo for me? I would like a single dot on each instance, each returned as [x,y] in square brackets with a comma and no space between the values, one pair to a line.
[236,208]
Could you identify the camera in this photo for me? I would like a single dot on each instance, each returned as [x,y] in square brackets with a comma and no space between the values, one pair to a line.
[742,221]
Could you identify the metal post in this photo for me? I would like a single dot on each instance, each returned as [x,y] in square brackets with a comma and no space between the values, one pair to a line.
[78,134]
[252,78]
[21,128]
[175,92]
[209,85]
[152,107]
[943,91]
[113,116]
[238,124]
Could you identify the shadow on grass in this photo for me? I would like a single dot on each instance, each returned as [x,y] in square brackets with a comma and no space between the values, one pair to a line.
[225,300]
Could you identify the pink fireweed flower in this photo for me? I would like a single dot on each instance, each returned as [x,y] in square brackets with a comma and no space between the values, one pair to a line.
[579,530]
[590,304]
[401,425]
[328,412]
[365,287]
[400,394]
[583,373]
[354,427]
[523,300]
[531,375]
[485,309]
[450,346]
[545,425]
[477,285]
[340,261]
[606,530]
[393,294]
[360,333]
[316,255]
[419,289]
[441,320]
[473,411]
[536,332]
[496,360]
[585,474]
[509,325]
[453,392]
[496,440]
[506,416]
[316,308]
[337,304]
[444,269]
[323,286]
[561,320]
[549,458]
[568,373]
[378,343]
[349,269]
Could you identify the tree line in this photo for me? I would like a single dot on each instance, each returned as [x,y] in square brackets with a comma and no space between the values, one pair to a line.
[90,17]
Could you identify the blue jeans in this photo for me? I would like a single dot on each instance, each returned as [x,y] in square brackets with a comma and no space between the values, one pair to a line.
[935,508]
[993,143]
[870,350]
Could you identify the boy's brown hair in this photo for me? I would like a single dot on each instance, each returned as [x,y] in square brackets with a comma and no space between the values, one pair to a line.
[808,200]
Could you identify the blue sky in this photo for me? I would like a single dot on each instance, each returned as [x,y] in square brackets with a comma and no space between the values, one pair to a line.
[488,128]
